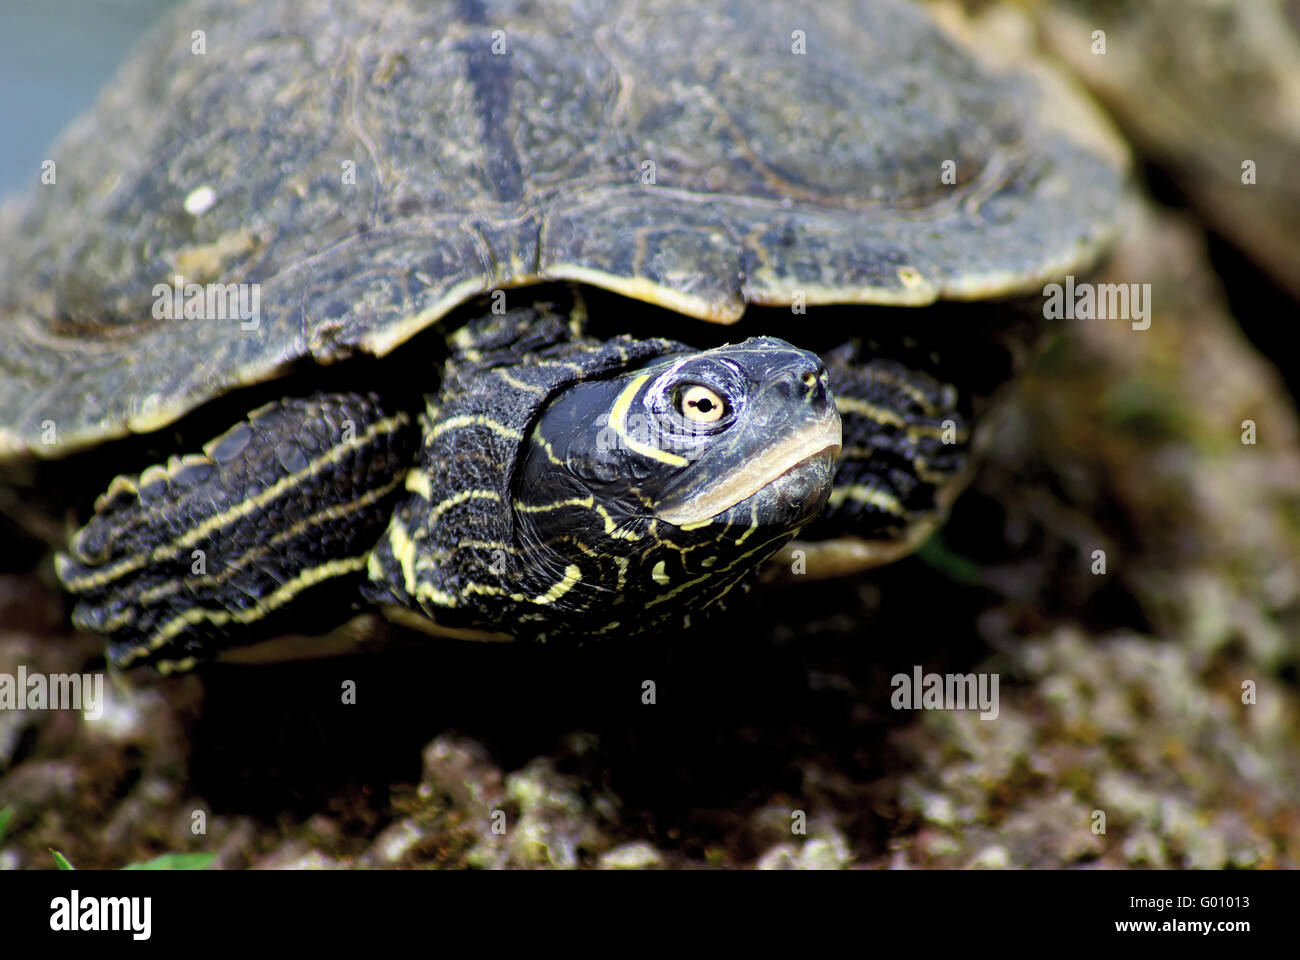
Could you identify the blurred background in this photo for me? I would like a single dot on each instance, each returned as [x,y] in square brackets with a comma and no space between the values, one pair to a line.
[54,57]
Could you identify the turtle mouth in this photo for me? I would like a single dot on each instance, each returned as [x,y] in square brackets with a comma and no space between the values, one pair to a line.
[817,441]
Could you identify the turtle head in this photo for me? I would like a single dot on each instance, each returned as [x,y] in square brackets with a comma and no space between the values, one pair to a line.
[673,480]
[574,488]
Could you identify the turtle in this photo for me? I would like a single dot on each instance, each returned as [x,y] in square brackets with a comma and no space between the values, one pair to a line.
[475,267]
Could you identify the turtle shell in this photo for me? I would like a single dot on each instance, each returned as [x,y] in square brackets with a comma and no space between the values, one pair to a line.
[359,169]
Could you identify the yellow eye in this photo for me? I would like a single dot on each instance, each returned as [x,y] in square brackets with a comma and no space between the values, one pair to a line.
[701,405]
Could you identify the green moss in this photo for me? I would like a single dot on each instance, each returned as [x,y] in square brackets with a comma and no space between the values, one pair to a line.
[1147,412]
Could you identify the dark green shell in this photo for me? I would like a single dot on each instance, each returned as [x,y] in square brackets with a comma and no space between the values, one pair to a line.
[369,166]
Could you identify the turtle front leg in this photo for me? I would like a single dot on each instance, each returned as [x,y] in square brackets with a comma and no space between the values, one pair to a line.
[905,457]
[268,531]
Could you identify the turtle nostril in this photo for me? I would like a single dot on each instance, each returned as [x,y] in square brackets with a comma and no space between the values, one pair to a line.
[806,382]
[816,384]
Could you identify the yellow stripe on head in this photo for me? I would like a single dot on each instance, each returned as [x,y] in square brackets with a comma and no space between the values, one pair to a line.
[618,423]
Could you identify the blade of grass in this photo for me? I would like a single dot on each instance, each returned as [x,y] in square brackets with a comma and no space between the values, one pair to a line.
[61,861]
[936,554]
[175,861]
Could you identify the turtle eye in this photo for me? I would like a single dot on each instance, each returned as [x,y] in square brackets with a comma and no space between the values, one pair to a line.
[699,404]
